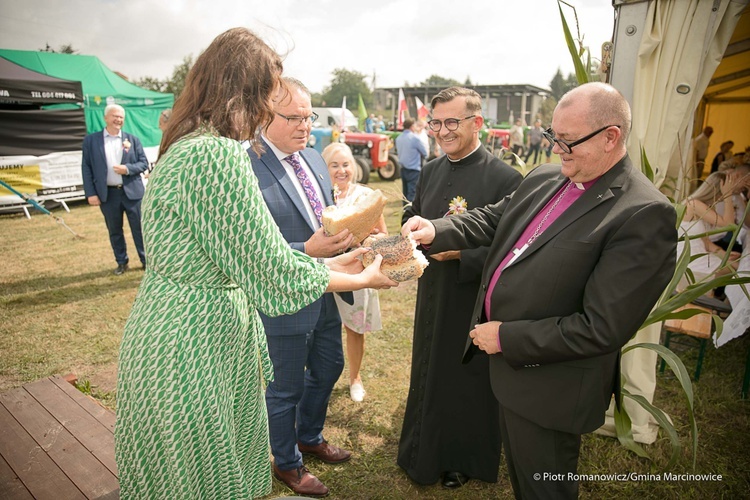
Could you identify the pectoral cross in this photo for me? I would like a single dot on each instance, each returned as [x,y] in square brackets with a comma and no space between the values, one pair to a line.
[517,253]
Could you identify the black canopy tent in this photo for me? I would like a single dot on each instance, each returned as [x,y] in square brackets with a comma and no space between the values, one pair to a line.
[32,120]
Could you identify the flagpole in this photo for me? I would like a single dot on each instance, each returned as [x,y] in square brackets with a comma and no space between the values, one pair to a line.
[36,205]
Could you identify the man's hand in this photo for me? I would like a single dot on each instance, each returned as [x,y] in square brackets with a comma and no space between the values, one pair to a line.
[484,336]
[422,230]
[447,255]
[322,245]
[94,200]
[120,169]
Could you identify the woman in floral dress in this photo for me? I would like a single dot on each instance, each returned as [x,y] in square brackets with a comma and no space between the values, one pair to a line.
[364,314]
[191,418]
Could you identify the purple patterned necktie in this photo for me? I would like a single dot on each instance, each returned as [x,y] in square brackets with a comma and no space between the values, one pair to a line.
[307,185]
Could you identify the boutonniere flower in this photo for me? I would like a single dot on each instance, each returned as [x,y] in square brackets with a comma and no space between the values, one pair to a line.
[457,205]
[126,145]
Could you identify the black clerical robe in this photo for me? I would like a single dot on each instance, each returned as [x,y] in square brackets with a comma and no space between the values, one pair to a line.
[451,419]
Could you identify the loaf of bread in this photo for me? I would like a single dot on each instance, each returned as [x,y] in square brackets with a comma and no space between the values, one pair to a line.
[359,218]
[401,259]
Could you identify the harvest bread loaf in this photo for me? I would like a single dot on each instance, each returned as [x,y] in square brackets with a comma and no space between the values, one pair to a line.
[359,218]
[401,259]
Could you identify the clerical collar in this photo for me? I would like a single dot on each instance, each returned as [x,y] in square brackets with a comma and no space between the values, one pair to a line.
[479,145]
[583,186]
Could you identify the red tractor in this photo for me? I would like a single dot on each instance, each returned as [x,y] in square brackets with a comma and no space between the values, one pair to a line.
[497,139]
[372,151]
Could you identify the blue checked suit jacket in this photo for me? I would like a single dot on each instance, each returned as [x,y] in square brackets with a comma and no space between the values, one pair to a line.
[94,167]
[290,214]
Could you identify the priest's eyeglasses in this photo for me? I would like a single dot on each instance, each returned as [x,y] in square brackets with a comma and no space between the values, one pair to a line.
[450,123]
[567,147]
[296,121]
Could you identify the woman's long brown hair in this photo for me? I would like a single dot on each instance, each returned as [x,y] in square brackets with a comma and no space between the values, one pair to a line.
[230,88]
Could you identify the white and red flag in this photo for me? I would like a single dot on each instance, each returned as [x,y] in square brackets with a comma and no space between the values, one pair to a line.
[422,110]
[402,110]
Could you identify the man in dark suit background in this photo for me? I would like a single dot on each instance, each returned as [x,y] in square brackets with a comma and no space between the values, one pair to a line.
[305,348]
[112,164]
[579,255]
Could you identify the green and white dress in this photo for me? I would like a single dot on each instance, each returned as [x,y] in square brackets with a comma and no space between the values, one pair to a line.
[191,416]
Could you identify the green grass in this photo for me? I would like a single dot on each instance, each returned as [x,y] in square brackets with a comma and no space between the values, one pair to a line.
[63,312]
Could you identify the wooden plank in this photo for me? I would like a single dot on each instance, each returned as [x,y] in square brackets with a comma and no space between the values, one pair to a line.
[11,486]
[83,469]
[699,326]
[102,414]
[67,410]
[30,463]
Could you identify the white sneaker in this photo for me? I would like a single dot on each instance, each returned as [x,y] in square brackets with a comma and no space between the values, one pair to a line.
[357,392]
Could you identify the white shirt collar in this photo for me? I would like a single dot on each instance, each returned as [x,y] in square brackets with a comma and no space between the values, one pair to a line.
[279,153]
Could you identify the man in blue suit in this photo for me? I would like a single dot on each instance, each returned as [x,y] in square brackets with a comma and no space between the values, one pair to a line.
[112,164]
[305,347]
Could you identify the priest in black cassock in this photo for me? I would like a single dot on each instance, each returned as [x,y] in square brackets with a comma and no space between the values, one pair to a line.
[451,430]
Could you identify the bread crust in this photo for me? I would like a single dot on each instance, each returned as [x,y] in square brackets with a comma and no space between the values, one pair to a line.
[359,219]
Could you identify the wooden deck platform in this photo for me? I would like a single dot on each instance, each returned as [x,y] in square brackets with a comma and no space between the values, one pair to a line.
[56,443]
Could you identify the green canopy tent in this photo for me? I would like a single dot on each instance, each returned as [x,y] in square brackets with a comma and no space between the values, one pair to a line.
[101,87]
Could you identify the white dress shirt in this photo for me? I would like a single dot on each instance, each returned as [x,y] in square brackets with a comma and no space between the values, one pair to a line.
[113,153]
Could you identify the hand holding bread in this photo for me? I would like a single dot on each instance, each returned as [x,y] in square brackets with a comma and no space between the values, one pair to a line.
[321,244]
[349,274]
[422,231]
[376,277]
[349,262]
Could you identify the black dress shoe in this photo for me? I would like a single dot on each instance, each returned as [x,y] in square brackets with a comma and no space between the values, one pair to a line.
[121,268]
[454,480]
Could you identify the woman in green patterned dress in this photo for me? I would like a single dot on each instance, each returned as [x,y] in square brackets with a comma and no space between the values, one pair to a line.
[191,418]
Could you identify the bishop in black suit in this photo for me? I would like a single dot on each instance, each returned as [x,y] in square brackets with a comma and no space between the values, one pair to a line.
[561,296]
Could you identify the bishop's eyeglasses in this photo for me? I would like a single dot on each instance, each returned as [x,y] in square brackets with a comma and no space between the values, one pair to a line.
[566,146]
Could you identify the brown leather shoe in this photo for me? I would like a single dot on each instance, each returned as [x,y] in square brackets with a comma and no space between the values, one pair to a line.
[326,452]
[301,481]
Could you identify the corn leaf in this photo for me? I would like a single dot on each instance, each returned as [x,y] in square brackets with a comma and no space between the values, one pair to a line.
[646,166]
[581,75]
[678,368]
[665,424]
[624,431]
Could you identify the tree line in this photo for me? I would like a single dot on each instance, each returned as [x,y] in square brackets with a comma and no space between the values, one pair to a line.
[344,82]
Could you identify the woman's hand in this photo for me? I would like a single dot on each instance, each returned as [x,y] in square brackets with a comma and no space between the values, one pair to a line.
[347,273]
[374,278]
[730,185]
[348,263]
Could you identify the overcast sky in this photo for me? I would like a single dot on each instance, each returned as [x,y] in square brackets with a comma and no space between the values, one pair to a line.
[490,41]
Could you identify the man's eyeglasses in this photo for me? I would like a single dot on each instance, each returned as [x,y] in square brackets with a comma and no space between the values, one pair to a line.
[450,123]
[567,147]
[296,121]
